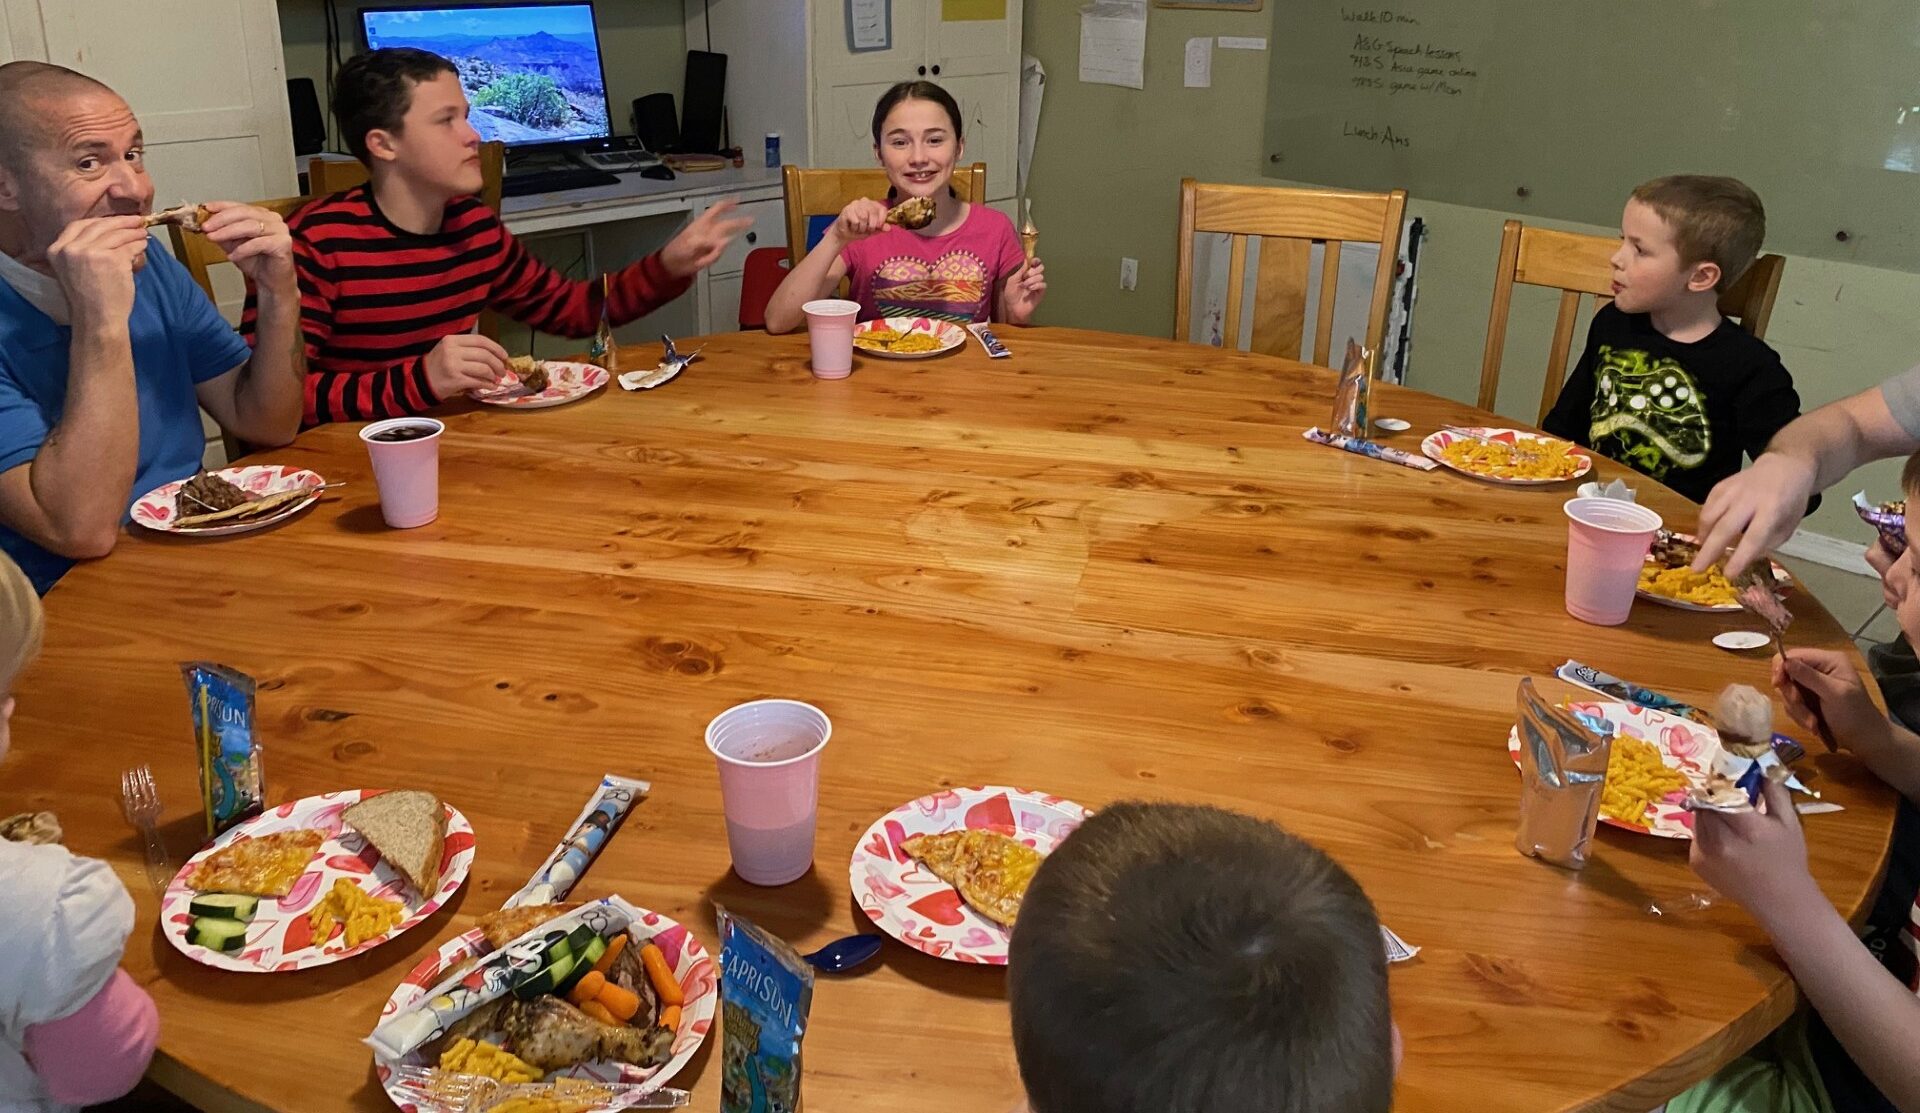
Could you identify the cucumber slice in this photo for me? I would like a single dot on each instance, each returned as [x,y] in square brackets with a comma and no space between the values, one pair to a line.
[589,955]
[223,906]
[580,937]
[217,933]
[545,979]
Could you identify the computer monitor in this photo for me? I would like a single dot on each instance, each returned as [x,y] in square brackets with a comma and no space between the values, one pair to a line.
[532,72]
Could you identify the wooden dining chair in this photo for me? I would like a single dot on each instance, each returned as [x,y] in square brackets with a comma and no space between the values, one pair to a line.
[1288,222]
[823,193]
[326,176]
[1578,266]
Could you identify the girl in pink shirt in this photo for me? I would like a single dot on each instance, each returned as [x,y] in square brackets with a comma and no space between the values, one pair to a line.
[967,265]
[74,1028]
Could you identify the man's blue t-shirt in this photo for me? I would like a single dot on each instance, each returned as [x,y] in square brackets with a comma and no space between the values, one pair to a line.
[179,341]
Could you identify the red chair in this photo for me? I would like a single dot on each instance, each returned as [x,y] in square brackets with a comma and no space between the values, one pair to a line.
[759,278]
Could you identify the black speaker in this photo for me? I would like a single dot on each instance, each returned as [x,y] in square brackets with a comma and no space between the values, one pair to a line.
[703,107]
[654,122]
[309,126]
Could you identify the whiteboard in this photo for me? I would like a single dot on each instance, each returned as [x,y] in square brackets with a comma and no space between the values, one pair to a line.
[1558,108]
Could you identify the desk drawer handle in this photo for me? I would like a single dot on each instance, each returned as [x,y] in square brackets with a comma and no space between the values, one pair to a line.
[923,71]
[753,237]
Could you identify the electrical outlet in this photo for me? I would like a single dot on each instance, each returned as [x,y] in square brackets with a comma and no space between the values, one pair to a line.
[1129,273]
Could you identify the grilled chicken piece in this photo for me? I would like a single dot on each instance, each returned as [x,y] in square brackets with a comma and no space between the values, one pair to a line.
[914,212]
[551,1034]
[186,214]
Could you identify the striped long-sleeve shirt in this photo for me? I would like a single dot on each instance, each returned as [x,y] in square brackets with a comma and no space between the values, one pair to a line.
[375,299]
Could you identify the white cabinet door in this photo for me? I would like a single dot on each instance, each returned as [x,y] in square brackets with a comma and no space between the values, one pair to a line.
[206,79]
[991,126]
[843,124]
[723,304]
[973,46]
[835,63]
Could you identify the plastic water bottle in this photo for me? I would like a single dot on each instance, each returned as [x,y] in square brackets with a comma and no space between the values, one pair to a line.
[773,150]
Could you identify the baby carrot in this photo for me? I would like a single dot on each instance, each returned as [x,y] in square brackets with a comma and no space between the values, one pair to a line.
[670,1018]
[661,975]
[614,946]
[588,987]
[599,1012]
[619,1001]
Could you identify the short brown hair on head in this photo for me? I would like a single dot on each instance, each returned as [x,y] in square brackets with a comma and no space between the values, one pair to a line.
[23,85]
[1910,480]
[374,90]
[1180,957]
[1714,220]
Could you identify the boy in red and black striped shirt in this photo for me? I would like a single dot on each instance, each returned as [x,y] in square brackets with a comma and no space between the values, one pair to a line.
[394,274]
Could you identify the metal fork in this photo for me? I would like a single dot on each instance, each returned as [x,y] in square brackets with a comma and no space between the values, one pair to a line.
[451,1092]
[140,803]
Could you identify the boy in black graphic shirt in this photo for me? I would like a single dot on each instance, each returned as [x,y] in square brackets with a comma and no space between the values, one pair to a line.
[1667,385]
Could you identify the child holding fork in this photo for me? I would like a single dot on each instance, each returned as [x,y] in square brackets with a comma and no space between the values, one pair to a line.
[1854,1051]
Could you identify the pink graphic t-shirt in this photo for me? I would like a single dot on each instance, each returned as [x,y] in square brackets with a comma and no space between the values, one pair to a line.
[898,273]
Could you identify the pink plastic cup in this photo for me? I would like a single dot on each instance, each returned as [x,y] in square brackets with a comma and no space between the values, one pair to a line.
[407,472]
[1607,541]
[830,324]
[769,755]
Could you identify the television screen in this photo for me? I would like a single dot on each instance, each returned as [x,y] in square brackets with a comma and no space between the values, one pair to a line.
[530,71]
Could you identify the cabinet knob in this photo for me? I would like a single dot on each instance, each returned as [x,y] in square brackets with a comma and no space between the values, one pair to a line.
[753,237]
[936,71]
[923,71]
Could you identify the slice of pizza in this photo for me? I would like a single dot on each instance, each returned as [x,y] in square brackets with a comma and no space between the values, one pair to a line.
[265,866]
[990,870]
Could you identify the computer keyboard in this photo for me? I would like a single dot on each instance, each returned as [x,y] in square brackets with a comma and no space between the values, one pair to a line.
[553,181]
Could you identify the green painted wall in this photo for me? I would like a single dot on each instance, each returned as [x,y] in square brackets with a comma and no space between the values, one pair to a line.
[642,42]
[1105,184]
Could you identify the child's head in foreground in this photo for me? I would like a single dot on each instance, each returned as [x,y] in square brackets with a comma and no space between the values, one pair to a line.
[1172,958]
[1685,236]
[21,622]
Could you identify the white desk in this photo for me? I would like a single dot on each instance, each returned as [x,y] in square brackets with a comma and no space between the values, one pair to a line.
[635,196]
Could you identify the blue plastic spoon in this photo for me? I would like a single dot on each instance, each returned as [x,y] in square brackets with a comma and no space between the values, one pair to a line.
[843,955]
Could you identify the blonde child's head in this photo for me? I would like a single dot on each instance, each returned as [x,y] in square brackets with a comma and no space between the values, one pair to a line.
[1171,956]
[21,622]
[1685,236]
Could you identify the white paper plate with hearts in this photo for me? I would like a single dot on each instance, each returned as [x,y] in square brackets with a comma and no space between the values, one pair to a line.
[156,510]
[566,382]
[924,912]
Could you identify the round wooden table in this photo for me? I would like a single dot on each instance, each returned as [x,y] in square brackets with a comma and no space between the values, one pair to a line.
[1107,568]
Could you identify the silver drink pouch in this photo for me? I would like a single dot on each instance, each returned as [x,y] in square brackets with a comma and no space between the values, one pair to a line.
[1563,768]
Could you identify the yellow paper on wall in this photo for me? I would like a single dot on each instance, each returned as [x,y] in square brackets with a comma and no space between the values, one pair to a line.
[957,11]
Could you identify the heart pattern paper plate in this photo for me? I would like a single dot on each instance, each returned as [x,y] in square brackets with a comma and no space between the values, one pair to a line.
[280,936]
[1783,583]
[692,967]
[944,333]
[924,912]
[155,510]
[566,382]
[1435,446]
[1684,745]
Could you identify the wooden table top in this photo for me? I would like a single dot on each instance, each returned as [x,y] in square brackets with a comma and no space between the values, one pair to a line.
[1107,568]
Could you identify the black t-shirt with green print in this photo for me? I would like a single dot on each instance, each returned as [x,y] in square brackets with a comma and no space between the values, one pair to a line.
[1684,414]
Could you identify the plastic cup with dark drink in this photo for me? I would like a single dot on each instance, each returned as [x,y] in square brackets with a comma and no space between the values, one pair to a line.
[406,467]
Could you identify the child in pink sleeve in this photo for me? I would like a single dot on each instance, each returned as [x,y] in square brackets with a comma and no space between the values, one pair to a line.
[966,265]
[74,1028]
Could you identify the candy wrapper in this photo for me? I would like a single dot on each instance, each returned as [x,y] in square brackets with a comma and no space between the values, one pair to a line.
[604,351]
[456,996]
[984,334]
[1563,767]
[765,991]
[1890,518]
[233,784]
[1354,396]
[1369,448]
[606,809]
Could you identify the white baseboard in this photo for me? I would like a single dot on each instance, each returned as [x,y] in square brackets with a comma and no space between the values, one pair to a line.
[1834,552]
